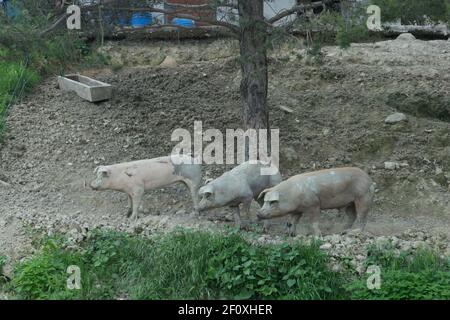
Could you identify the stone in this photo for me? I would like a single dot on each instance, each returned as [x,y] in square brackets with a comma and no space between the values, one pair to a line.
[395,118]
[326,246]
[169,62]
[391,165]
[286,109]
[406,37]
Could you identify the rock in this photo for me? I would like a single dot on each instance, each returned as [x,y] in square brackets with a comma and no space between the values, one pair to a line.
[419,244]
[406,37]
[326,131]
[169,62]
[391,165]
[395,118]
[286,109]
[326,246]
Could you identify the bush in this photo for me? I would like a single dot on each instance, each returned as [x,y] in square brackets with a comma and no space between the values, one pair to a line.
[2,263]
[414,11]
[25,54]
[168,267]
[401,285]
[45,275]
[405,276]
[274,272]
[421,104]
[203,265]
[15,80]
[179,265]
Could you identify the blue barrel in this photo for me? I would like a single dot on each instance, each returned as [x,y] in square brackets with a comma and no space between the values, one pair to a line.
[123,21]
[141,19]
[185,23]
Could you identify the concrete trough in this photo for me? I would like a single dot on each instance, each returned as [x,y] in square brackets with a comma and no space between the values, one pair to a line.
[87,88]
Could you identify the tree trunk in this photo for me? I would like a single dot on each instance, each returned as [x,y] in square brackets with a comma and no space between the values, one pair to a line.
[253,51]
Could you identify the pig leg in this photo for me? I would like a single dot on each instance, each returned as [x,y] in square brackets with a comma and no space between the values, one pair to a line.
[292,223]
[237,217]
[130,206]
[362,206]
[246,208]
[193,188]
[350,210]
[266,223]
[313,215]
[136,198]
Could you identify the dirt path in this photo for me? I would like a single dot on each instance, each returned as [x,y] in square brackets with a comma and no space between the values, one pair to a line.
[55,139]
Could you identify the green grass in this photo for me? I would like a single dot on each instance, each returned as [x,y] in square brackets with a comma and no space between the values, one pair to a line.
[405,276]
[179,265]
[14,80]
[203,265]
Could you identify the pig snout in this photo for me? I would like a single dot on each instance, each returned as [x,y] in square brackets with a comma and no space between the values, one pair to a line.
[263,213]
[96,185]
[203,205]
[93,185]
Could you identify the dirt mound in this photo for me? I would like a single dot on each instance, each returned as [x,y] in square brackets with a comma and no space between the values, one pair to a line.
[55,139]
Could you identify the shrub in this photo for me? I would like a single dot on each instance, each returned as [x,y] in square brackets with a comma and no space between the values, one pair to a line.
[15,80]
[414,11]
[422,275]
[180,265]
[2,263]
[274,272]
[44,276]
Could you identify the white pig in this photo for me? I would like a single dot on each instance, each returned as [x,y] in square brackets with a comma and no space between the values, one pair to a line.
[308,193]
[239,186]
[136,177]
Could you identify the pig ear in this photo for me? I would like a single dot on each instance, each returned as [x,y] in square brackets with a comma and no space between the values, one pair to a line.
[104,171]
[207,189]
[263,193]
[208,180]
[273,196]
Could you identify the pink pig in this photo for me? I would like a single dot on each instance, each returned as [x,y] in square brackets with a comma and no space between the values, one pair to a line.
[134,178]
[309,193]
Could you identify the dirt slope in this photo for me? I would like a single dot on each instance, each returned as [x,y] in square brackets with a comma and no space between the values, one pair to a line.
[55,139]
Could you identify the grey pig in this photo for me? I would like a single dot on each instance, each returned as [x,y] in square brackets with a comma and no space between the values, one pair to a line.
[136,177]
[308,193]
[238,186]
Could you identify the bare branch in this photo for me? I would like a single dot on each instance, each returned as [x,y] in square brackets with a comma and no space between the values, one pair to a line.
[54,25]
[296,9]
[176,13]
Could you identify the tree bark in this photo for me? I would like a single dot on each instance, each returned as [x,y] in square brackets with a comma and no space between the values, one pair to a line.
[253,50]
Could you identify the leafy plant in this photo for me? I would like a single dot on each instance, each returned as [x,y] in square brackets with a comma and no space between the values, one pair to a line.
[422,275]
[282,271]
[44,276]
[414,11]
